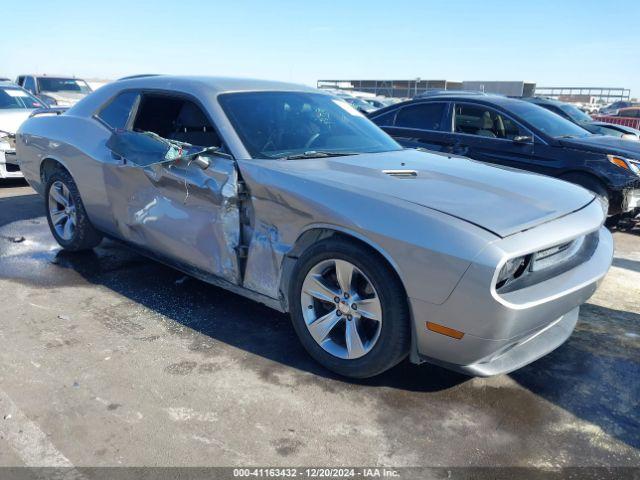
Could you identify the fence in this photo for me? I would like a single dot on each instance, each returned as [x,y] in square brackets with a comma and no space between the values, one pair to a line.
[625,121]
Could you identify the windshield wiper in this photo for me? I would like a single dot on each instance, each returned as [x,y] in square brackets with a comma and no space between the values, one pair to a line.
[317,154]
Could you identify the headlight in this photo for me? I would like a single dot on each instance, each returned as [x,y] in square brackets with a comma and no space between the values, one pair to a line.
[7,141]
[512,269]
[626,163]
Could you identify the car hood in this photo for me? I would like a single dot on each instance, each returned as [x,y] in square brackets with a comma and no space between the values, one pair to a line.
[500,200]
[604,144]
[10,120]
[622,128]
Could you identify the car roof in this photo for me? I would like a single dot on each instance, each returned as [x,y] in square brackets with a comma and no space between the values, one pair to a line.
[543,101]
[47,75]
[10,84]
[213,84]
[432,92]
[487,99]
[197,86]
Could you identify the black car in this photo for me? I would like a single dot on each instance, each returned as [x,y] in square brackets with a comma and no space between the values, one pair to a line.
[577,116]
[515,133]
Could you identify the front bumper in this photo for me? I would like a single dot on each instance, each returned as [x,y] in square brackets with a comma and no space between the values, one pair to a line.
[630,200]
[8,165]
[522,352]
[503,332]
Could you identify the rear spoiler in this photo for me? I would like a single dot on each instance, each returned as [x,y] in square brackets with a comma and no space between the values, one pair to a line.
[49,111]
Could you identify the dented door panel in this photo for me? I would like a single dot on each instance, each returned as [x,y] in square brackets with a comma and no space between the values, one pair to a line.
[266,251]
[180,211]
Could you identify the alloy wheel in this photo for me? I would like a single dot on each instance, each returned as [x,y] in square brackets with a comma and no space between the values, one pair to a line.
[62,211]
[341,309]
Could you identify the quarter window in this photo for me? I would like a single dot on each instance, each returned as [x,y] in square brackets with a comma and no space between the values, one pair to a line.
[485,122]
[423,116]
[116,113]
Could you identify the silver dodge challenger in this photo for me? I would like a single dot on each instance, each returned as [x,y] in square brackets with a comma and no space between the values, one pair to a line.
[290,197]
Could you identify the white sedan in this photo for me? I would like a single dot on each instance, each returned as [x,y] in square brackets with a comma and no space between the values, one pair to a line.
[16,104]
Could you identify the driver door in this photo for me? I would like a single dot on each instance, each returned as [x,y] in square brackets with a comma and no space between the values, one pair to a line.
[485,134]
[176,210]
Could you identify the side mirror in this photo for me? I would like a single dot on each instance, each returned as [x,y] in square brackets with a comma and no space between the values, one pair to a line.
[522,139]
[630,136]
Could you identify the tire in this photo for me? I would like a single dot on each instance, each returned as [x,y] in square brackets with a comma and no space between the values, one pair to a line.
[382,344]
[592,184]
[76,233]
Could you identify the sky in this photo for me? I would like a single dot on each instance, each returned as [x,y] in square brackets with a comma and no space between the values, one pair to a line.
[552,43]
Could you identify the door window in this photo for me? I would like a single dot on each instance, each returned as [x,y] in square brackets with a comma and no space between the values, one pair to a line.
[175,118]
[30,84]
[386,119]
[485,122]
[116,112]
[423,116]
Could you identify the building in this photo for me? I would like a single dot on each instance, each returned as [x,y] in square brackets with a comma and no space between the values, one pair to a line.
[411,88]
[516,88]
[585,94]
[391,88]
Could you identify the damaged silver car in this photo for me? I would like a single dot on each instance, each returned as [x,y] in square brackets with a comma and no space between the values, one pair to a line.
[289,196]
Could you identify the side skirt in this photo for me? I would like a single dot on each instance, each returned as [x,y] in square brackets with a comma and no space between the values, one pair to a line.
[209,278]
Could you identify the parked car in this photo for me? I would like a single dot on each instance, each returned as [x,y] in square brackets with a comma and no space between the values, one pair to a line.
[378,102]
[289,196]
[588,108]
[613,108]
[629,112]
[577,116]
[55,91]
[16,104]
[514,133]
[358,103]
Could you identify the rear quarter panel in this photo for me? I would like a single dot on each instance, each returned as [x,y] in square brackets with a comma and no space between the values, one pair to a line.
[78,143]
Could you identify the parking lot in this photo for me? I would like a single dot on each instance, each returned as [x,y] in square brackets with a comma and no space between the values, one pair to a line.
[111,359]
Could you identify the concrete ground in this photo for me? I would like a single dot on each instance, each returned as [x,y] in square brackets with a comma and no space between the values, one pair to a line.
[110,359]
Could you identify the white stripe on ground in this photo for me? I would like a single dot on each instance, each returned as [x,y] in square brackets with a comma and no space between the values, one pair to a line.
[28,441]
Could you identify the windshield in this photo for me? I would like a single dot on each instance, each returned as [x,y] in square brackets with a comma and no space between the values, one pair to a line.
[17,98]
[50,84]
[575,113]
[282,124]
[547,122]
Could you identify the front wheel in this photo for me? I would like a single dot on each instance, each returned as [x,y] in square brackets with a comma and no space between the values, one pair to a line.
[349,309]
[66,215]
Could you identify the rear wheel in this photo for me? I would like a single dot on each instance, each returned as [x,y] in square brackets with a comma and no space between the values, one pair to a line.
[349,309]
[66,215]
